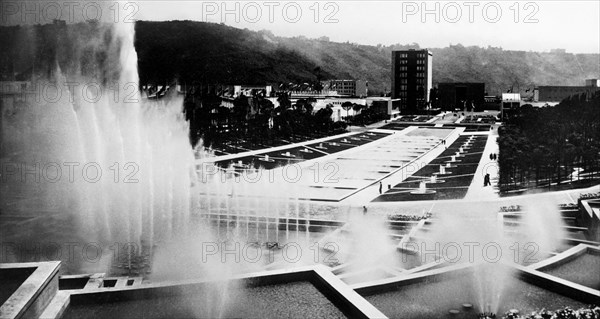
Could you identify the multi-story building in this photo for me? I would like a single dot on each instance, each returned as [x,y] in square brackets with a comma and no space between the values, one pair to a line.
[412,79]
[351,88]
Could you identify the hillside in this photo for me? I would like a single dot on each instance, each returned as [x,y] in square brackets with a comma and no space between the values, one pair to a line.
[216,53]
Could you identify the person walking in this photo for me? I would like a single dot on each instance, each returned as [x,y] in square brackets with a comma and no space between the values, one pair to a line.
[486,180]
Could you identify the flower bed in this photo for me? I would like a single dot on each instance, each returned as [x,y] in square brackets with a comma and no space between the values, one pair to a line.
[510,209]
[589,196]
[567,206]
[592,312]
[408,218]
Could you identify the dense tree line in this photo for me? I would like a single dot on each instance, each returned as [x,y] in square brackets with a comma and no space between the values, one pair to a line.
[540,146]
[257,121]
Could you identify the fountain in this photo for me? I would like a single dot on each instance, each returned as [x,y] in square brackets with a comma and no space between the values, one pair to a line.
[449,165]
[266,159]
[287,154]
[321,146]
[239,164]
[306,150]
[423,190]
[442,170]
[433,179]
[137,189]
[158,210]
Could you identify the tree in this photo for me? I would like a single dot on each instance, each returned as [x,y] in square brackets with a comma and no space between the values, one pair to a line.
[284,101]
[357,107]
[346,106]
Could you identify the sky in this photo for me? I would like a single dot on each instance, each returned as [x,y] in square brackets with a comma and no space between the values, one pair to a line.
[512,25]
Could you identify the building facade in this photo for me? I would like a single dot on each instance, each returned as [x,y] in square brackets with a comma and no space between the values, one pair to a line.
[461,95]
[412,79]
[559,93]
[510,103]
[351,88]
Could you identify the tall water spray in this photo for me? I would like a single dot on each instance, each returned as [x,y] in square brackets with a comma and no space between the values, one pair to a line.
[120,166]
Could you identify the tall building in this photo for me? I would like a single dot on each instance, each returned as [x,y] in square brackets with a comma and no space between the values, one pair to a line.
[411,78]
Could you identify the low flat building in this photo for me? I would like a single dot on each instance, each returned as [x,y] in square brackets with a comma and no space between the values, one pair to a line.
[382,105]
[510,102]
[460,95]
[556,93]
[338,112]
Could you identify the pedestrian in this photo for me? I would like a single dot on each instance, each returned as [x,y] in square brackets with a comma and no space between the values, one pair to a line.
[380,187]
[486,180]
[364,210]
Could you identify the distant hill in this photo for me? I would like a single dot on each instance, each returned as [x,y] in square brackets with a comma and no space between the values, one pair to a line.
[208,52]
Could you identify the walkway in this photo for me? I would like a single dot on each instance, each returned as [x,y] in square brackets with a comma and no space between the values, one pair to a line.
[486,165]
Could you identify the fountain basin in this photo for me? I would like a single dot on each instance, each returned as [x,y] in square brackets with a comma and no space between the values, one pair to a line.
[576,265]
[425,192]
[321,146]
[270,294]
[444,173]
[453,161]
[448,288]
[23,283]
[436,181]
[266,159]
